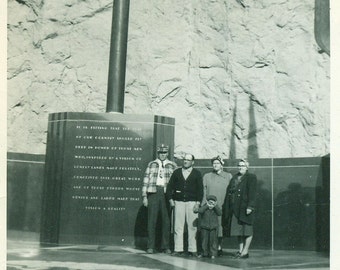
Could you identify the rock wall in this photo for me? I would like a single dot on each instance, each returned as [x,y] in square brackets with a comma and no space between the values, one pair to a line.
[241,77]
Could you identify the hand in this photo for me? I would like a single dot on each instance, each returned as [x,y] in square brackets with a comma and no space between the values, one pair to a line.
[196,207]
[145,201]
[249,211]
[172,203]
[211,204]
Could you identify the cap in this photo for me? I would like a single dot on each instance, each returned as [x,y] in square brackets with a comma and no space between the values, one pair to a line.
[163,148]
[217,158]
[245,161]
[211,198]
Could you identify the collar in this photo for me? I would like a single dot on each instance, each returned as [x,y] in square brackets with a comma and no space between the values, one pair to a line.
[166,161]
[218,173]
[188,169]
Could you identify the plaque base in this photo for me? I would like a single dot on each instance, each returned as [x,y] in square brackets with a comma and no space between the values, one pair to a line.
[94,170]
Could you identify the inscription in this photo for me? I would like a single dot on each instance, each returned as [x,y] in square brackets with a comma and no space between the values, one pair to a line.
[107,168]
[90,157]
[117,178]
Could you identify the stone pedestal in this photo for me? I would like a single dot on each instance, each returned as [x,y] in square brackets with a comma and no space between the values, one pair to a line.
[94,170]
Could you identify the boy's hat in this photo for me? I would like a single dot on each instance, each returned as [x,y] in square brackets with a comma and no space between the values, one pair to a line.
[211,198]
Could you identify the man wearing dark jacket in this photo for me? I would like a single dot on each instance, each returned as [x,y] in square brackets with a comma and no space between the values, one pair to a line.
[185,192]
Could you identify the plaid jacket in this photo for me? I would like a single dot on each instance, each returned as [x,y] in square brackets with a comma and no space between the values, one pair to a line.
[150,177]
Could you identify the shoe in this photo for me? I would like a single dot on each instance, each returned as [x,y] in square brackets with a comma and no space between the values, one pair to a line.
[245,256]
[220,252]
[167,251]
[176,253]
[192,254]
[212,257]
[199,256]
[237,255]
[149,251]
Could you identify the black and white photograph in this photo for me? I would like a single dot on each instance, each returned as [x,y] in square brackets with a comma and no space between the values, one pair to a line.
[170,135]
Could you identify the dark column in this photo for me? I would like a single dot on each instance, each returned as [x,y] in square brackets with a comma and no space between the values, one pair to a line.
[322,25]
[117,65]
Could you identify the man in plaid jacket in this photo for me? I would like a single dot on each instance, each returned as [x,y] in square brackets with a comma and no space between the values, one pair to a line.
[156,179]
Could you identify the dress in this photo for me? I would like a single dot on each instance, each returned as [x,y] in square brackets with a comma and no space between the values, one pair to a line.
[216,184]
[241,194]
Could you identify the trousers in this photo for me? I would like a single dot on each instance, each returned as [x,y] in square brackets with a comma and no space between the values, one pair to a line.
[209,242]
[156,206]
[183,212]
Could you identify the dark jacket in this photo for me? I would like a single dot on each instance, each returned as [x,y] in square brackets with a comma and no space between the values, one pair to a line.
[183,190]
[239,197]
[208,217]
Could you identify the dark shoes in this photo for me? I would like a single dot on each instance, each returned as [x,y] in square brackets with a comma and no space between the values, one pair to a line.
[181,254]
[175,253]
[220,252]
[151,251]
[237,255]
[167,251]
[206,256]
[245,256]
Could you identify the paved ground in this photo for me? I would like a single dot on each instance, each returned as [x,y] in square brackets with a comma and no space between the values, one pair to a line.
[24,254]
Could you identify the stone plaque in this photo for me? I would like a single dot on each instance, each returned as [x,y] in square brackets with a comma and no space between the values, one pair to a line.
[94,167]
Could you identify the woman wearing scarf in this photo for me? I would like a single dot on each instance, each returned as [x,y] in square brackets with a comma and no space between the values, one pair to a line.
[239,208]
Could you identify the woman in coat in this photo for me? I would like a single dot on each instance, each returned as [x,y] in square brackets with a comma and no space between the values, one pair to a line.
[239,207]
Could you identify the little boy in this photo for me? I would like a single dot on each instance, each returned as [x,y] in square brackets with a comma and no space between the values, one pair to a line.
[209,226]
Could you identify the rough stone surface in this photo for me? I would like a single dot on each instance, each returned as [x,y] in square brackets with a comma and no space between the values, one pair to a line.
[241,77]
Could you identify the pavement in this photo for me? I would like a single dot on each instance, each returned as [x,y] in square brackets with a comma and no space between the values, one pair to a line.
[25,253]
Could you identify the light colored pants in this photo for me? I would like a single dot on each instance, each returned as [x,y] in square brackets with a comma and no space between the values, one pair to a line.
[184,212]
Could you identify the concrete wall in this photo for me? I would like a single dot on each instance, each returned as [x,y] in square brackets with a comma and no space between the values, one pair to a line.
[242,78]
[292,211]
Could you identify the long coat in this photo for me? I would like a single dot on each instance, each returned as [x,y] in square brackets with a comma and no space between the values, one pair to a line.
[239,197]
